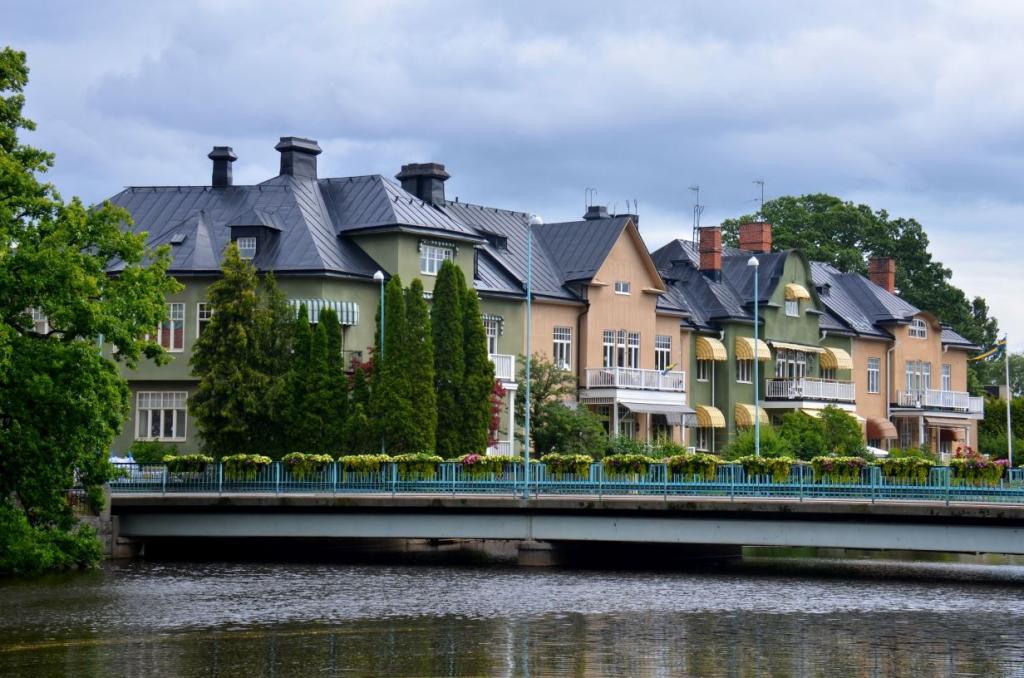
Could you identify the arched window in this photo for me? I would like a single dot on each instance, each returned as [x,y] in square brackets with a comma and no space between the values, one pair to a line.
[919,328]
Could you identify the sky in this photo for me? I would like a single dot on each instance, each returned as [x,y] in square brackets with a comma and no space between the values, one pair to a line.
[917,108]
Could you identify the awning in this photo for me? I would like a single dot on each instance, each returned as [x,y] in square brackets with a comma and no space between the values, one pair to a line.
[816,413]
[745,415]
[881,429]
[947,422]
[797,347]
[745,349]
[709,348]
[710,417]
[795,291]
[675,413]
[348,311]
[836,359]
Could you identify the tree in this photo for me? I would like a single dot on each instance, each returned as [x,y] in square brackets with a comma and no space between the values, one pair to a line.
[804,435]
[992,372]
[337,384]
[842,433]
[419,358]
[61,400]
[992,429]
[548,383]
[478,381]
[772,444]
[569,430]
[360,435]
[390,403]
[275,322]
[449,361]
[319,409]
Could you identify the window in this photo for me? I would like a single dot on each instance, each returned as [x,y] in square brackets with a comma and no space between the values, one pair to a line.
[633,353]
[621,287]
[432,256]
[918,328]
[906,428]
[491,328]
[662,352]
[744,370]
[40,323]
[790,364]
[919,375]
[246,246]
[947,377]
[704,438]
[160,415]
[703,370]
[204,312]
[874,373]
[171,334]
[793,307]
[562,351]
[828,373]
[609,348]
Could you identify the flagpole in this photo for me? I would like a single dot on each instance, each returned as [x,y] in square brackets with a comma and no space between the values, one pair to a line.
[1009,395]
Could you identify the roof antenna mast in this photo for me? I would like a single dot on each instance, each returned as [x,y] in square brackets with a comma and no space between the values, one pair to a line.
[760,209]
[698,209]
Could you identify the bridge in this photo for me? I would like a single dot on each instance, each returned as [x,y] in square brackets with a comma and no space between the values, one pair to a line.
[654,507]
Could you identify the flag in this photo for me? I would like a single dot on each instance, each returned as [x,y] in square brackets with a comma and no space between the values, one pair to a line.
[995,352]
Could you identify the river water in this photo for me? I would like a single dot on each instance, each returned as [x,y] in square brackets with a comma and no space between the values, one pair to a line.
[402,617]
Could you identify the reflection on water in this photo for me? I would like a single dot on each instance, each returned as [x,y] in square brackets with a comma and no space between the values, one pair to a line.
[762,617]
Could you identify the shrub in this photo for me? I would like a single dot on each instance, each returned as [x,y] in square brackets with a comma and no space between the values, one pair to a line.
[909,469]
[704,466]
[302,465]
[571,464]
[666,447]
[479,465]
[967,467]
[31,549]
[804,434]
[150,451]
[569,430]
[363,463]
[922,452]
[772,445]
[244,466]
[838,469]
[843,435]
[624,446]
[627,464]
[416,464]
[776,467]
[187,463]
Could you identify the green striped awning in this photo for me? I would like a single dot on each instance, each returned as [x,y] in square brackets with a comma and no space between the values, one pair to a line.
[348,311]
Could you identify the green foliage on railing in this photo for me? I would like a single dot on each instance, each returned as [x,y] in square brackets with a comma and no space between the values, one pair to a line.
[838,469]
[776,467]
[907,469]
[416,464]
[480,465]
[187,463]
[244,466]
[973,469]
[619,464]
[567,464]
[363,463]
[704,466]
[302,465]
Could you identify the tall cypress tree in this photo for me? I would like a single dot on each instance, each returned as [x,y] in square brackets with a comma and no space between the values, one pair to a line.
[337,387]
[275,323]
[298,423]
[317,409]
[449,362]
[390,403]
[478,380]
[360,435]
[419,359]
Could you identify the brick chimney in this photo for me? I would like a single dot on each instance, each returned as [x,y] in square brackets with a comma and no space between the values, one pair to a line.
[882,272]
[298,156]
[222,157]
[425,180]
[710,248]
[756,237]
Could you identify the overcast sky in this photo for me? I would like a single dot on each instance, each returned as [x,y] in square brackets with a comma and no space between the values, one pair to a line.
[917,109]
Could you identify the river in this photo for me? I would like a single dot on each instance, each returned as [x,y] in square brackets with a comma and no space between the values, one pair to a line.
[460,616]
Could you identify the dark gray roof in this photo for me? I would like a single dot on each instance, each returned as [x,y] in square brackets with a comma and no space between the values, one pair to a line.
[578,248]
[837,291]
[951,337]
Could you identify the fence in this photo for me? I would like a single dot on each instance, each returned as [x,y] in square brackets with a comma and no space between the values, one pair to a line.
[730,480]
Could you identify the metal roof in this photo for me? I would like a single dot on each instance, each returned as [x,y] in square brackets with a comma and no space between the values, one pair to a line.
[579,248]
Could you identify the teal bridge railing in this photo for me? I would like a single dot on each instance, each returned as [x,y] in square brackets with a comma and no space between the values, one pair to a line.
[730,480]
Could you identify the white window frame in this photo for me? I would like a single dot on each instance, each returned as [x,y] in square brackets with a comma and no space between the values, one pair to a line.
[622,287]
[432,256]
[704,436]
[744,371]
[609,348]
[175,313]
[793,308]
[874,374]
[704,370]
[562,347]
[492,330]
[246,243]
[204,311]
[662,352]
[154,407]
[918,328]
[40,322]
[947,377]
[633,350]
[828,373]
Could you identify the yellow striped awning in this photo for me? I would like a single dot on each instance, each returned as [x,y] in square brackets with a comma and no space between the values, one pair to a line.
[797,347]
[745,349]
[709,348]
[745,415]
[795,291]
[836,359]
[709,417]
[816,413]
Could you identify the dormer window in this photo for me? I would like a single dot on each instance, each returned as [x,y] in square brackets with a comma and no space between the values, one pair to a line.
[918,328]
[246,246]
[621,287]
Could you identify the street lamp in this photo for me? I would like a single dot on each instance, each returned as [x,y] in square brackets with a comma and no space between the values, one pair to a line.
[753,263]
[534,221]
[379,277]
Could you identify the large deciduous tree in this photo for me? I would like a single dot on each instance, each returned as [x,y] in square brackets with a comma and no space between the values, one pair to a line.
[449,359]
[61,400]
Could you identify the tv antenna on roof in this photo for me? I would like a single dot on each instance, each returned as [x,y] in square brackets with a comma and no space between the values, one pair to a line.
[698,209]
[760,209]
[590,194]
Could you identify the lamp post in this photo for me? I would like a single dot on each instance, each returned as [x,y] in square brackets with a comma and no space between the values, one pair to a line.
[753,263]
[534,221]
[379,277]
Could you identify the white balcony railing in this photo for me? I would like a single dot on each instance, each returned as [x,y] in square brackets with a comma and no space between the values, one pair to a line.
[504,366]
[807,388]
[627,377]
[502,447]
[929,398]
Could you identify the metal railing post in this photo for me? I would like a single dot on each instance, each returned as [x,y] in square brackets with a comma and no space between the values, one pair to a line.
[163,480]
[394,478]
[277,479]
[947,474]
[220,478]
[732,482]
[334,478]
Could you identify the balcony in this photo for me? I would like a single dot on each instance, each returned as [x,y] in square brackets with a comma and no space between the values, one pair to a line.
[630,378]
[504,366]
[809,389]
[932,399]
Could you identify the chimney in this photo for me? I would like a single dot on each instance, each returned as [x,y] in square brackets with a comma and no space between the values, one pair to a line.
[222,157]
[756,237]
[710,249]
[882,272]
[298,156]
[425,180]
[596,212]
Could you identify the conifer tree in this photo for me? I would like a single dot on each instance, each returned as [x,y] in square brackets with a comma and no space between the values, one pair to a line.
[360,436]
[337,386]
[296,423]
[478,380]
[317,405]
[390,404]
[275,322]
[419,358]
[449,363]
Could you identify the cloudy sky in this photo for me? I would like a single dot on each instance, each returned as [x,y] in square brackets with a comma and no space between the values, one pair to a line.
[918,109]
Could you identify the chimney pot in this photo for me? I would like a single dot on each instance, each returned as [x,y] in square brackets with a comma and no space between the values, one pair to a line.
[756,237]
[710,249]
[882,272]
[425,180]
[222,157]
[298,156]
[596,212]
